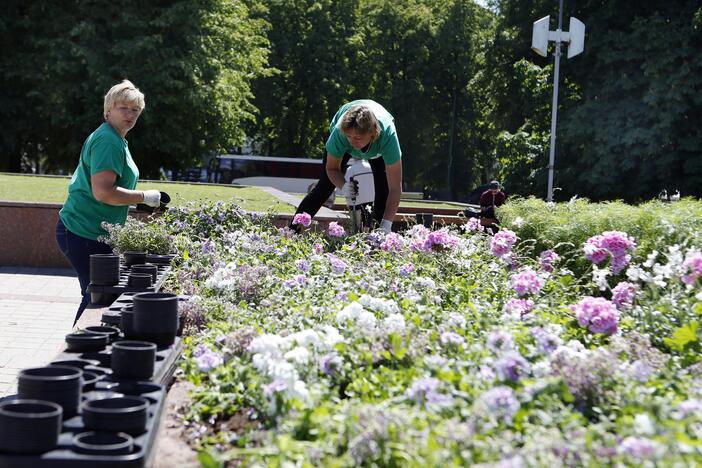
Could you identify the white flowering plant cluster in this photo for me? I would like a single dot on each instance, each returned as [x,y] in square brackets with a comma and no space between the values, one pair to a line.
[450,347]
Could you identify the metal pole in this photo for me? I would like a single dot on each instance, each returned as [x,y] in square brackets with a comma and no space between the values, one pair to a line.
[554,104]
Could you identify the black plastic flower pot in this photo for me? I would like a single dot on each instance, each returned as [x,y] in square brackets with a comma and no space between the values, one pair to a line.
[103,443]
[29,426]
[139,280]
[132,257]
[103,371]
[133,388]
[127,324]
[133,360]
[160,259]
[102,359]
[147,268]
[111,333]
[86,342]
[425,219]
[119,414]
[90,379]
[58,384]
[156,317]
[77,363]
[104,269]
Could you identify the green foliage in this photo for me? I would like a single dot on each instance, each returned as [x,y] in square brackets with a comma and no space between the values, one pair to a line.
[138,236]
[194,61]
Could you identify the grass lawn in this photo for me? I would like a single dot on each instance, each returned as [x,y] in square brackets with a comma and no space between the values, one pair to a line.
[54,189]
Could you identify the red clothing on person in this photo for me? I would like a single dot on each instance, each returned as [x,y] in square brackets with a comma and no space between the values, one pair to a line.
[489,199]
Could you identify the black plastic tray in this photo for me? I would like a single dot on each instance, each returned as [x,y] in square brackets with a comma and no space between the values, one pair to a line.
[64,457]
[123,287]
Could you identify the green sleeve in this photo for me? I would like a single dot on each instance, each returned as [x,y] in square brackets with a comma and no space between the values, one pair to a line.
[105,155]
[337,144]
[391,148]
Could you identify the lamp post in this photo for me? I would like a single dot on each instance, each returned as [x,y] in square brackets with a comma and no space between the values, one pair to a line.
[575,38]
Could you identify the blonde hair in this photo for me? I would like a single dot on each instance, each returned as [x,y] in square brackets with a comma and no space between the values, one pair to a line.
[361,119]
[123,92]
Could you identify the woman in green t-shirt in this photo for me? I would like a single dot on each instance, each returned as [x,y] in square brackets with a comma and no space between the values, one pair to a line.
[361,129]
[102,186]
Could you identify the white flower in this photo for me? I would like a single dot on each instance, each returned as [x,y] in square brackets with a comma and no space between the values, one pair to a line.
[331,336]
[298,355]
[267,343]
[518,222]
[366,321]
[599,277]
[386,306]
[643,425]
[350,312]
[307,338]
[456,320]
[394,323]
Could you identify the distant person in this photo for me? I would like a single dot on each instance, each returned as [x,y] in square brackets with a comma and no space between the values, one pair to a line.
[491,199]
[361,129]
[102,186]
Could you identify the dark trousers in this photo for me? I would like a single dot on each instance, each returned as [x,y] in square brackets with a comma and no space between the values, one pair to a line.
[324,188]
[78,251]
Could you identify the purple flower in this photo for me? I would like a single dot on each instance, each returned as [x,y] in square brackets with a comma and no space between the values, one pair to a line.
[637,447]
[693,268]
[449,338]
[547,259]
[406,269]
[208,361]
[330,364]
[500,340]
[274,387]
[519,307]
[546,341]
[200,350]
[502,242]
[302,218]
[338,265]
[512,366]
[502,402]
[318,248]
[424,391]
[303,265]
[336,230]
[473,225]
[689,407]
[623,294]
[597,314]
[526,282]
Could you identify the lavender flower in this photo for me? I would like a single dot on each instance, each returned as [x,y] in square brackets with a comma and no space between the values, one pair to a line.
[502,242]
[208,360]
[406,269]
[499,341]
[547,259]
[449,338]
[502,402]
[512,366]
[518,307]
[526,282]
[439,240]
[615,243]
[303,265]
[330,364]
[640,448]
[546,341]
[425,391]
[692,267]
[338,265]
[392,243]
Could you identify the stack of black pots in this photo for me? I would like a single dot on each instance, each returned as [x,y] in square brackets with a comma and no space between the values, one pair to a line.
[155,317]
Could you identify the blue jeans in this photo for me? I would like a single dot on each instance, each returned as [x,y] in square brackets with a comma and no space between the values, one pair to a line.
[78,250]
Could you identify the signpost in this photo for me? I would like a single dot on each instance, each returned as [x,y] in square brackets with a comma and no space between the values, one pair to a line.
[575,38]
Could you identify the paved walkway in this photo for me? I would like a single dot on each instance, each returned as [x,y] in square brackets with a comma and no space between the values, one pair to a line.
[37,307]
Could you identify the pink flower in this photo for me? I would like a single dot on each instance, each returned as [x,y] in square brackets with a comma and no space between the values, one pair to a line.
[547,259]
[473,225]
[302,218]
[438,240]
[693,267]
[597,314]
[623,294]
[502,242]
[526,282]
[610,243]
[393,243]
[336,230]
[318,248]
[519,307]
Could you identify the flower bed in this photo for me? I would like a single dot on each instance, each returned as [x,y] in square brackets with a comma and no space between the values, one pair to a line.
[442,348]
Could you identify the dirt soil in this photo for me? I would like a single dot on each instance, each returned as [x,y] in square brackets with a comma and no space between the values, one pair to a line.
[172,451]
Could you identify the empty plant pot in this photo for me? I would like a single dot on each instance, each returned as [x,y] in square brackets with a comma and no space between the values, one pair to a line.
[90,378]
[140,280]
[133,359]
[103,371]
[102,359]
[103,443]
[104,269]
[160,259]
[77,363]
[425,219]
[111,333]
[127,324]
[156,317]
[133,388]
[29,426]
[118,414]
[86,342]
[132,257]
[58,384]
[147,268]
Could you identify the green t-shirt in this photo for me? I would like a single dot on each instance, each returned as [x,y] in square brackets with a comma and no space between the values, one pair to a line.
[103,150]
[386,145]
